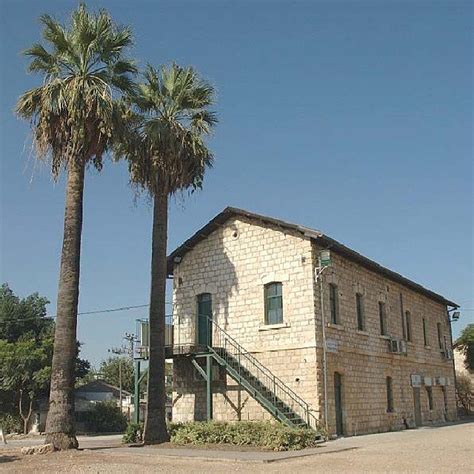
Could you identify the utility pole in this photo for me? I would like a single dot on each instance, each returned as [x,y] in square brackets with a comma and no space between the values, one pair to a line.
[132,338]
[324,261]
[119,351]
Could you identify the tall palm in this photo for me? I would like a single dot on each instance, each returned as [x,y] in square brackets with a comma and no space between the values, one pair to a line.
[166,154]
[73,115]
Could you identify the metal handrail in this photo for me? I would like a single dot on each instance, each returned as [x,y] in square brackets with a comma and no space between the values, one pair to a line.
[277,383]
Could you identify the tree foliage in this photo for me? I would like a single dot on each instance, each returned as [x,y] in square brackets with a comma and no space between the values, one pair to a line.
[110,372]
[25,371]
[105,417]
[26,350]
[26,347]
[464,392]
[164,141]
[73,113]
[465,343]
[23,317]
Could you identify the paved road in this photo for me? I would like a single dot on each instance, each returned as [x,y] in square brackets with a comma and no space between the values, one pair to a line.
[438,450]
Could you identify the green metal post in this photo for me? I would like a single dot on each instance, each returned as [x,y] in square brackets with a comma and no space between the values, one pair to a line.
[209,387]
[136,399]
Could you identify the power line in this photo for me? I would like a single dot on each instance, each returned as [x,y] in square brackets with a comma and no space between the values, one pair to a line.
[112,310]
[99,311]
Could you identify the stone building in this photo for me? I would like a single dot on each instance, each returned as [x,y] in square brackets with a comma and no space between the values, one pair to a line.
[266,326]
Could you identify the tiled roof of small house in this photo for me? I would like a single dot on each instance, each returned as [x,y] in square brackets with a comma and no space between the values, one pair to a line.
[318,237]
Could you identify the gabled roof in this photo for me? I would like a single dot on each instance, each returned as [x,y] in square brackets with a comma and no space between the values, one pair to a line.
[100,386]
[315,235]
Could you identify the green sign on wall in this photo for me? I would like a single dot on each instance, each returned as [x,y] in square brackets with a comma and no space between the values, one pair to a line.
[325,258]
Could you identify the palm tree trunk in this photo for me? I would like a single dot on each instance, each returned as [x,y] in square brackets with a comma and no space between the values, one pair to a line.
[60,429]
[155,420]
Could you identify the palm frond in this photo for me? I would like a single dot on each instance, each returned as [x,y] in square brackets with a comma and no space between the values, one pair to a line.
[85,71]
[168,151]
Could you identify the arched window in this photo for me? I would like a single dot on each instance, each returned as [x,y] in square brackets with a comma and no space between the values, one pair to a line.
[273,303]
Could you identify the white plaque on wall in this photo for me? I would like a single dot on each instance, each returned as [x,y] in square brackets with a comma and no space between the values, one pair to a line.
[331,345]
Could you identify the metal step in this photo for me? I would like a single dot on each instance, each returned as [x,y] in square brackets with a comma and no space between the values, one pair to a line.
[272,393]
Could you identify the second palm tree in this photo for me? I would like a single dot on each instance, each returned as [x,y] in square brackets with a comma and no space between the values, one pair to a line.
[167,154]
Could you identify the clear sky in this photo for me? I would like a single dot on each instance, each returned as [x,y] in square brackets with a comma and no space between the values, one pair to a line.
[354,118]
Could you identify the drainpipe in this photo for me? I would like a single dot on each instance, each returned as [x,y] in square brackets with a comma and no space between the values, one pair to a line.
[452,350]
[318,276]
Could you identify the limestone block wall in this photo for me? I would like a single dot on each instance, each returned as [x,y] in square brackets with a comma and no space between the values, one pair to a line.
[233,264]
[363,359]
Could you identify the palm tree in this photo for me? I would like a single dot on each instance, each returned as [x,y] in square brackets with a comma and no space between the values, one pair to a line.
[73,115]
[167,154]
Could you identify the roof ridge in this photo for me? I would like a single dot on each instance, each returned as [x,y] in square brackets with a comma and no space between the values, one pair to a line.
[314,234]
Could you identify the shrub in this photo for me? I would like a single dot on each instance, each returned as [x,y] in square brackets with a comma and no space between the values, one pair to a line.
[464,392]
[105,417]
[275,436]
[133,433]
[11,423]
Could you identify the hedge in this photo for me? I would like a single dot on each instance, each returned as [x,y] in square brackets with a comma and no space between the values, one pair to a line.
[274,436]
[104,417]
[11,423]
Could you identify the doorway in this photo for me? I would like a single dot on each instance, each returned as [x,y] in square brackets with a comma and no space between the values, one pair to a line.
[204,310]
[416,400]
[445,400]
[338,403]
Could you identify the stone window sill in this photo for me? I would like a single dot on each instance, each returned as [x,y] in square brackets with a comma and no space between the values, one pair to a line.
[362,332]
[340,327]
[268,327]
[428,347]
[383,336]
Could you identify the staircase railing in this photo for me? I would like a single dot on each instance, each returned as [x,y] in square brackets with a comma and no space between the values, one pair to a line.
[233,353]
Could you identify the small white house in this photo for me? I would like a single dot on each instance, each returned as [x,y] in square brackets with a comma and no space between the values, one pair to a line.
[86,397]
[99,391]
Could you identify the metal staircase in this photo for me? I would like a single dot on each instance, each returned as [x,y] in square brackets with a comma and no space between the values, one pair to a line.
[265,387]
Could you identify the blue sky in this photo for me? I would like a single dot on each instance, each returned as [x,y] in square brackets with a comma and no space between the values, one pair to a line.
[354,118]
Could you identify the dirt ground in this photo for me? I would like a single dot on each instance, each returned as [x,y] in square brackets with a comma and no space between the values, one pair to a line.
[435,449]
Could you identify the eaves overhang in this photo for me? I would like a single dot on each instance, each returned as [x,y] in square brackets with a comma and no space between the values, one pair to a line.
[316,236]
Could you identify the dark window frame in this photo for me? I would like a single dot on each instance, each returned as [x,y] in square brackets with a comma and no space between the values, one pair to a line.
[429,393]
[334,303]
[383,318]
[402,314]
[389,387]
[440,335]
[425,333]
[408,326]
[273,297]
[360,311]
